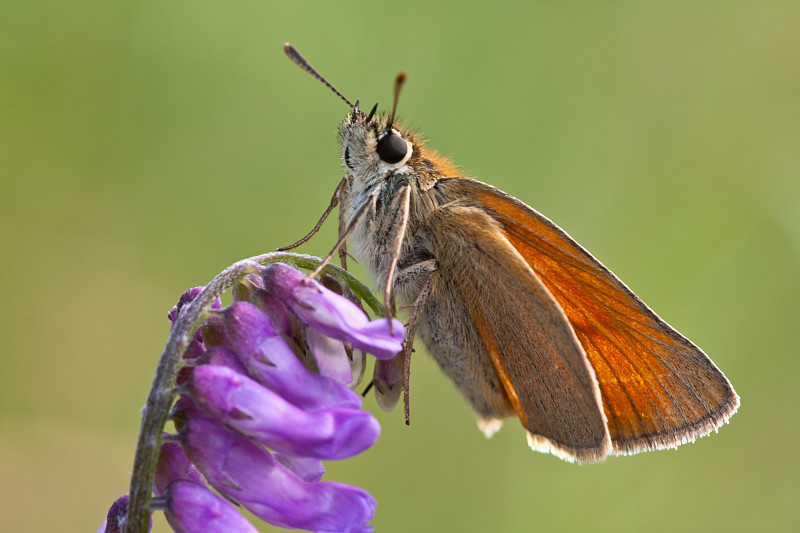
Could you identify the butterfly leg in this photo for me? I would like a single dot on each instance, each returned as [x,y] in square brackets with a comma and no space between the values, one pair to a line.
[337,194]
[368,206]
[414,272]
[391,376]
[397,234]
[344,196]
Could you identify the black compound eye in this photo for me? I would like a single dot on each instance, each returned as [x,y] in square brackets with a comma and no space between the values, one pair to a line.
[392,148]
[347,158]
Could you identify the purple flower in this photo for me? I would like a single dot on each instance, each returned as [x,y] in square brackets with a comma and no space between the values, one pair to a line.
[251,289]
[223,356]
[306,468]
[264,400]
[330,356]
[191,508]
[173,465]
[272,361]
[249,474]
[332,314]
[248,407]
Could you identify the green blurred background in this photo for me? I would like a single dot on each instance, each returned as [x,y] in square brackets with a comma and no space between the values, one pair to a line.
[145,146]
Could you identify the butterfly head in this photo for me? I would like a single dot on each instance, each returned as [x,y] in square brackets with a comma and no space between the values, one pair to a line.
[372,146]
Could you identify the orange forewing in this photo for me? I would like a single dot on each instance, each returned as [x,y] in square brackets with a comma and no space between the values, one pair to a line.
[658,389]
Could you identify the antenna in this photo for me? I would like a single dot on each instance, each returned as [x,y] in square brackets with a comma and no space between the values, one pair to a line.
[295,56]
[398,86]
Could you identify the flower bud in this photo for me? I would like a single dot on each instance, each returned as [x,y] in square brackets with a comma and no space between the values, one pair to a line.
[115,520]
[387,378]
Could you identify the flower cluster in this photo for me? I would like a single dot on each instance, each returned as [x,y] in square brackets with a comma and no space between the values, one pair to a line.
[265,397]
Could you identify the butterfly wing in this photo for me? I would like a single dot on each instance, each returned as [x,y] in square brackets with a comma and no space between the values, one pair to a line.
[518,354]
[658,389]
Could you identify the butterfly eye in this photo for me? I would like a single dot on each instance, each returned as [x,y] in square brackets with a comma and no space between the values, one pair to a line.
[392,148]
[347,158]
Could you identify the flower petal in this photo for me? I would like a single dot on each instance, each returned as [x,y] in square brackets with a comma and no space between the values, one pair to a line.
[333,314]
[173,465]
[274,364]
[192,508]
[250,408]
[222,356]
[330,356]
[249,474]
[253,291]
[307,468]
